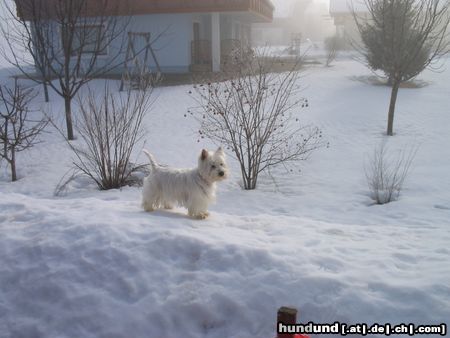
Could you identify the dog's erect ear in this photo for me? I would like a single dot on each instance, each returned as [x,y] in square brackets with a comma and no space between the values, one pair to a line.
[204,154]
[220,151]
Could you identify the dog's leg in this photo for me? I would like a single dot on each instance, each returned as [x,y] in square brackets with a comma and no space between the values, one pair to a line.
[168,205]
[148,203]
[198,208]
[149,197]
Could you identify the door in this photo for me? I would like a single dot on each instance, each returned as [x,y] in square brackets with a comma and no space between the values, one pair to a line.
[196,48]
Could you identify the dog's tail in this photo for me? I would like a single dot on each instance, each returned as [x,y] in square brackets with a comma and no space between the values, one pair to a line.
[151,159]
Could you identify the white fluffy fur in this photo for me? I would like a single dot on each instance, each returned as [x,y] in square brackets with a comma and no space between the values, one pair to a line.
[193,188]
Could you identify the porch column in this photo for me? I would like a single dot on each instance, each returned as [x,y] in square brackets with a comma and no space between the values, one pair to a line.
[215,41]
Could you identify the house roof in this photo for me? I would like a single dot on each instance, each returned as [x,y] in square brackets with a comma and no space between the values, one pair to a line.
[262,9]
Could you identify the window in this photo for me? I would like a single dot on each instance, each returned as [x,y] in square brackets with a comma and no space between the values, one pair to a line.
[89,39]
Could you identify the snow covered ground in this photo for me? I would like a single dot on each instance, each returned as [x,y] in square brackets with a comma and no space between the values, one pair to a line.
[93,264]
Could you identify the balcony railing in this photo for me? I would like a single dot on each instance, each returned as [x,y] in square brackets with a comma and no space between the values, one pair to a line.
[231,51]
[201,52]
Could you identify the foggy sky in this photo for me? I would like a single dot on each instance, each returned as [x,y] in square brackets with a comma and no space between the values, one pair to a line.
[283,7]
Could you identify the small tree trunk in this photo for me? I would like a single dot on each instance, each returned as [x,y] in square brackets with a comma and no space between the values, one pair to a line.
[245,181]
[394,93]
[47,99]
[67,102]
[250,183]
[253,183]
[13,165]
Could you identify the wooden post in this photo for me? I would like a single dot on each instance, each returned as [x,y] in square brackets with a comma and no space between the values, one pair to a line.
[286,315]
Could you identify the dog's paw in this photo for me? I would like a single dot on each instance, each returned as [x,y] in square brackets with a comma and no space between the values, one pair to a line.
[201,215]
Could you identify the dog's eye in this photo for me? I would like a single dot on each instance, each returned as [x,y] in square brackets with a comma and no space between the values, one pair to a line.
[213,166]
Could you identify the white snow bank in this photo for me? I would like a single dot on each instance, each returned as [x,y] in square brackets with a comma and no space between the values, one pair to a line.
[70,269]
[93,264]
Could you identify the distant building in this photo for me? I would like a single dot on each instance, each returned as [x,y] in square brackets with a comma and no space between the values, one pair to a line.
[306,21]
[276,33]
[341,12]
[197,34]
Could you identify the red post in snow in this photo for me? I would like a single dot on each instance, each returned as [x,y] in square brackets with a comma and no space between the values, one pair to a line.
[288,316]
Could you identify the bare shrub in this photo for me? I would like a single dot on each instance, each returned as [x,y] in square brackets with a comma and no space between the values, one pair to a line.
[254,113]
[18,132]
[333,45]
[386,173]
[110,128]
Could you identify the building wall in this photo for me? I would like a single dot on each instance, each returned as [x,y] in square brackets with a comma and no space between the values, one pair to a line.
[171,36]
[173,48]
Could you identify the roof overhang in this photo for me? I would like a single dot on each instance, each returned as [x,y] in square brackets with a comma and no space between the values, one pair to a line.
[262,10]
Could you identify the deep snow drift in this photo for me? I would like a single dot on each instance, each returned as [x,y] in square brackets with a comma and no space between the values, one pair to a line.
[93,264]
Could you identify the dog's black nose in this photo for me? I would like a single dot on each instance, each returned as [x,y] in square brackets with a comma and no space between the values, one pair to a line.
[221,174]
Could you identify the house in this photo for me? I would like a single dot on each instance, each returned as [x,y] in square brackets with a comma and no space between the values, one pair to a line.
[193,34]
[341,12]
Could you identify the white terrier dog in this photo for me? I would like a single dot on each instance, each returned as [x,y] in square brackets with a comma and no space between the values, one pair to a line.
[194,188]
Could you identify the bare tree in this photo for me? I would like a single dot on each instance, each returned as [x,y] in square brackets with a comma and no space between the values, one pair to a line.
[333,45]
[255,115]
[386,173]
[401,38]
[65,40]
[17,131]
[110,128]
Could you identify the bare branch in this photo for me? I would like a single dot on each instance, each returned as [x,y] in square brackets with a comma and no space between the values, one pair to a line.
[253,113]
[386,173]
[64,40]
[17,131]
